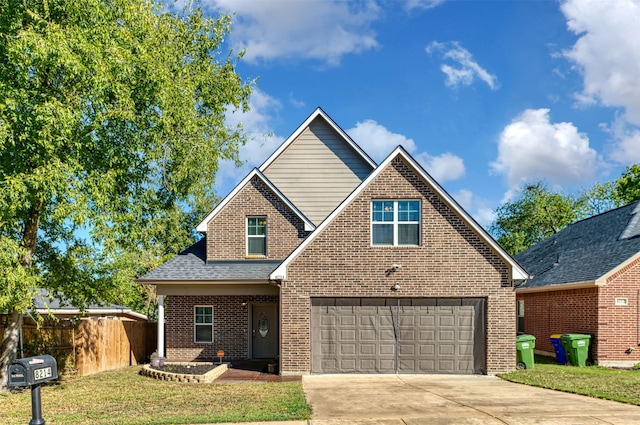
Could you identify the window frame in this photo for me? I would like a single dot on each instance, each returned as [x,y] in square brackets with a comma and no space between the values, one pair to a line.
[520,310]
[249,236]
[196,324]
[396,223]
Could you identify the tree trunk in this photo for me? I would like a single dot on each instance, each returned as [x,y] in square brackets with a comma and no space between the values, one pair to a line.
[9,346]
[11,336]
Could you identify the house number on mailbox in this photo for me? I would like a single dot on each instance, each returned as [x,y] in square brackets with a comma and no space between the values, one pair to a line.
[263,325]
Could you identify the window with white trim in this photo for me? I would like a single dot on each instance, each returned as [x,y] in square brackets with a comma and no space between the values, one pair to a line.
[257,236]
[395,223]
[203,324]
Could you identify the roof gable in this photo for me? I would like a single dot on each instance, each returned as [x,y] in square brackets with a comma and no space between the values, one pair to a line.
[202,227]
[317,166]
[517,272]
[585,251]
[318,113]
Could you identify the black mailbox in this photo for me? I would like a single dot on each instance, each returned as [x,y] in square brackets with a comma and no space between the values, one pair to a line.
[32,371]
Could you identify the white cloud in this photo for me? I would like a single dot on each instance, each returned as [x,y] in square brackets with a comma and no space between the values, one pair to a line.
[445,167]
[378,142]
[607,51]
[625,148]
[532,148]
[256,124]
[422,4]
[311,29]
[462,69]
[480,209]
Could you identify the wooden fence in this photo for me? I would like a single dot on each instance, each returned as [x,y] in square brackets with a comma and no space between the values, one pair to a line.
[90,346]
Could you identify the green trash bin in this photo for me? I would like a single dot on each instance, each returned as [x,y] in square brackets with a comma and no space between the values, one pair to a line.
[524,351]
[576,347]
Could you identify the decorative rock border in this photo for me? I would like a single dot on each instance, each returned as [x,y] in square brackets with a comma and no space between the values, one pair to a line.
[208,377]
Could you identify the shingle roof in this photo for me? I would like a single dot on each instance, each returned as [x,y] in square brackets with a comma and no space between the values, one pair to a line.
[586,250]
[50,301]
[191,265]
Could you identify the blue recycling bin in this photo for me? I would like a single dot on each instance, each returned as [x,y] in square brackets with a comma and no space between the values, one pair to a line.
[561,355]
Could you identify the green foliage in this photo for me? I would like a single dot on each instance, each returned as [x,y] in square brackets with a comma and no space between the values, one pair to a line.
[627,186]
[599,198]
[112,125]
[536,214]
[593,381]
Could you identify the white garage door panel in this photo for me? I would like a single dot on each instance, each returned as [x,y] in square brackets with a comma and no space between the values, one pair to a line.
[390,335]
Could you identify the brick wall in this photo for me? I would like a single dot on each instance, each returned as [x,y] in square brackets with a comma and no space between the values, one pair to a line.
[558,312]
[230,326]
[452,261]
[619,325]
[226,232]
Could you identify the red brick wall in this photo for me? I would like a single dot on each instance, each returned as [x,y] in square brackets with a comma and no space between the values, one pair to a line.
[230,326]
[619,325]
[226,232]
[452,261]
[558,312]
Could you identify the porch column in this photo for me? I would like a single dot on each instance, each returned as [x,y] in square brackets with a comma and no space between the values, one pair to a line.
[161,326]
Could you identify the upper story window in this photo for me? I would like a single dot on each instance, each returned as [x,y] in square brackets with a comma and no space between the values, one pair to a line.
[257,236]
[395,223]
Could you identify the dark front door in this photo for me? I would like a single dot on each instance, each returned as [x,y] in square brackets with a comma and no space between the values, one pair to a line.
[264,331]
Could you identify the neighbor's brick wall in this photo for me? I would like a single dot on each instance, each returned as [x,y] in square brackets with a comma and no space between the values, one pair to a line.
[559,312]
[619,325]
[452,261]
[226,232]
[230,326]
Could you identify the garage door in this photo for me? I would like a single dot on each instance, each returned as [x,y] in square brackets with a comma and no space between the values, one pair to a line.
[378,335]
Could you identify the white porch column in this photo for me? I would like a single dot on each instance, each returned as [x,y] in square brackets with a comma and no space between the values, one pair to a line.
[161,326]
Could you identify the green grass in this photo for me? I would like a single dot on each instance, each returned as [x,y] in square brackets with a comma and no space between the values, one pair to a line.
[124,397]
[611,384]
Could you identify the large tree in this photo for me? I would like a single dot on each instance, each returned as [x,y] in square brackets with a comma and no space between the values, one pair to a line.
[536,214]
[112,124]
[627,186]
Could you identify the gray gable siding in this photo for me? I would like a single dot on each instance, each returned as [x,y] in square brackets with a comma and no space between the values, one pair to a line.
[584,251]
[317,171]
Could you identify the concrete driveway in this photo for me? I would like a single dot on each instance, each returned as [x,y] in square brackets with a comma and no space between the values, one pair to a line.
[447,399]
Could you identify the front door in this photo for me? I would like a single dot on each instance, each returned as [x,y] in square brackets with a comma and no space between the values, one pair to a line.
[264,331]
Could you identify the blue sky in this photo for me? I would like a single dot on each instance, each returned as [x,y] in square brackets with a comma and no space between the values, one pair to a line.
[487,95]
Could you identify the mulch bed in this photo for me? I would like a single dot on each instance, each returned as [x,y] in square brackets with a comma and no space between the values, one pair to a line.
[186,369]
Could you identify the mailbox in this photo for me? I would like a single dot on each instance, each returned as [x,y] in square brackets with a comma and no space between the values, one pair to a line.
[32,371]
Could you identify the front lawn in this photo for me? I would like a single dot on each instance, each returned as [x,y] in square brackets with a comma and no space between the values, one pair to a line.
[124,397]
[593,381]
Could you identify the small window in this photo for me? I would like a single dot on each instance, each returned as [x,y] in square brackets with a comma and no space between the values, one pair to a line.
[395,223]
[520,314]
[203,324]
[257,236]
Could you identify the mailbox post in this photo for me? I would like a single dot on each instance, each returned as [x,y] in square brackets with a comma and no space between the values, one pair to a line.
[32,372]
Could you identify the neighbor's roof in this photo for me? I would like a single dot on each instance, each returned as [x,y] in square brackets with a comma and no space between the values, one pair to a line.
[585,252]
[47,302]
[517,272]
[192,265]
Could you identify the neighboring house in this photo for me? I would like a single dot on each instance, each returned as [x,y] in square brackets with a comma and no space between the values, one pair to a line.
[50,305]
[330,263]
[586,279]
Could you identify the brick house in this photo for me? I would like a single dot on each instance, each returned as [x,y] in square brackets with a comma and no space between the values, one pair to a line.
[586,279]
[330,263]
